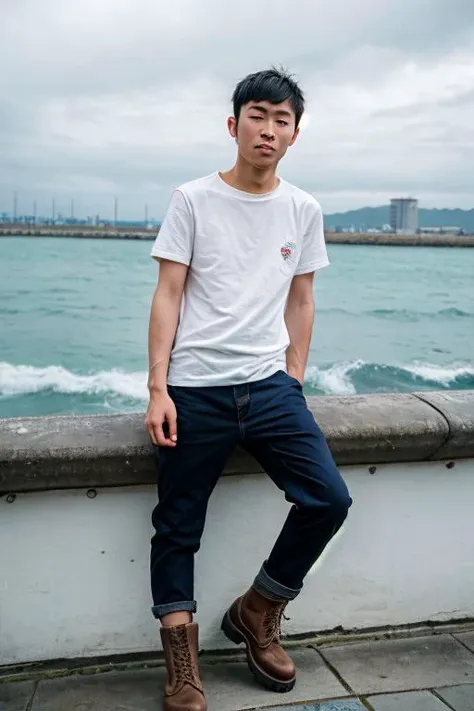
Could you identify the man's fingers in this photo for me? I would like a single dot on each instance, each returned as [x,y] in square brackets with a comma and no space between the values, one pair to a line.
[152,435]
[163,440]
[172,428]
[160,436]
[161,425]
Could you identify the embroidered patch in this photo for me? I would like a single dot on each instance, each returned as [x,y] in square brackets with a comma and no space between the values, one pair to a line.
[287,250]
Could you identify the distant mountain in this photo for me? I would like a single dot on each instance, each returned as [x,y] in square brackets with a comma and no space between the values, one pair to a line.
[373,217]
[363,217]
[464,219]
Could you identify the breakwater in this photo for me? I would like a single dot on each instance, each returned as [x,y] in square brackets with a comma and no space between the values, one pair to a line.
[142,233]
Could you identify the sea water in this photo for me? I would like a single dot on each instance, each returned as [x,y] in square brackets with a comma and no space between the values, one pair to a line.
[74,323]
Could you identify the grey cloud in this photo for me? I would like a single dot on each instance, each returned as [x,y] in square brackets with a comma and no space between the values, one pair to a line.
[461,100]
[131,97]
[144,46]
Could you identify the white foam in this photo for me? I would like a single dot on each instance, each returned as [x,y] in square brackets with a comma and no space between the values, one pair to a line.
[440,374]
[25,379]
[336,379]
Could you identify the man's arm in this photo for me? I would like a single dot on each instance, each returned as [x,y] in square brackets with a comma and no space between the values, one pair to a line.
[299,319]
[164,319]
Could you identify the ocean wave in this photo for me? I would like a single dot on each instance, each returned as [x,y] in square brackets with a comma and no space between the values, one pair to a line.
[440,375]
[10,311]
[337,311]
[363,377]
[347,378]
[334,380]
[453,312]
[402,315]
[26,379]
[407,315]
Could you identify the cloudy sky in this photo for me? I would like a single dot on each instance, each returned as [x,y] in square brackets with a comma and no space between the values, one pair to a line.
[130,98]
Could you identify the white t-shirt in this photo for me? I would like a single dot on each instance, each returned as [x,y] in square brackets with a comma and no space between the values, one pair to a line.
[243,250]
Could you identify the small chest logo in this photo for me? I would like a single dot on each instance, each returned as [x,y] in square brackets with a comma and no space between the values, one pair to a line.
[287,250]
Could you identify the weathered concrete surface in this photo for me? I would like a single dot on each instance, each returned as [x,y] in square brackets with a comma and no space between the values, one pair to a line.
[70,451]
[395,665]
[79,451]
[467,638]
[369,579]
[341,705]
[407,701]
[233,688]
[16,697]
[229,687]
[459,698]
[114,450]
[127,691]
[457,406]
[363,429]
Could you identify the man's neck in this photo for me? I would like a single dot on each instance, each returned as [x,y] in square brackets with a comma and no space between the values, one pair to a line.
[249,179]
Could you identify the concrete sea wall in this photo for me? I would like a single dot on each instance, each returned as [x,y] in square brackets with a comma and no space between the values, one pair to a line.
[76,494]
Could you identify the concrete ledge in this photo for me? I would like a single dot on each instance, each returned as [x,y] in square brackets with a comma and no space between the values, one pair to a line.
[39,453]
[458,409]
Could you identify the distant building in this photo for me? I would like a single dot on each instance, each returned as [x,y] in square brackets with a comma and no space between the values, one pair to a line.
[404,215]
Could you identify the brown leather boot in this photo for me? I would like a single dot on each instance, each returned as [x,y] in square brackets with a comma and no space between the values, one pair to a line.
[256,621]
[183,690]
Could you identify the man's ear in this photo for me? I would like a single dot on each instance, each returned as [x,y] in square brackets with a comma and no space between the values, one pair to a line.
[295,136]
[232,126]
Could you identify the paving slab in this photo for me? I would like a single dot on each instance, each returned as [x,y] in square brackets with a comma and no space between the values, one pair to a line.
[127,691]
[402,664]
[228,687]
[232,687]
[349,705]
[408,701]
[466,638]
[15,697]
[460,698]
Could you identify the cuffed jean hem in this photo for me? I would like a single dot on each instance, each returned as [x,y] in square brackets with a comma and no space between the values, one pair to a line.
[183,606]
[271,589]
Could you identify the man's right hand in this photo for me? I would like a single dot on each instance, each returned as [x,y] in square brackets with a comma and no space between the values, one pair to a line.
[160,420]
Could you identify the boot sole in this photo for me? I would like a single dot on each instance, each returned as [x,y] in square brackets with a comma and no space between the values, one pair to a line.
[264,679]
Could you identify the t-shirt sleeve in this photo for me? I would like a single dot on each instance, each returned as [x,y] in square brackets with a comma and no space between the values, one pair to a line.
[175,238]
[313,253]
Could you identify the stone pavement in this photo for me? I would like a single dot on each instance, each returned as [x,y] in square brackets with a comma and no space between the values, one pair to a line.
[427,673]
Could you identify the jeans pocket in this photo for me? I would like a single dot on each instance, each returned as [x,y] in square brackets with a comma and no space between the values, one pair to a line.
[292,379]
[295,381]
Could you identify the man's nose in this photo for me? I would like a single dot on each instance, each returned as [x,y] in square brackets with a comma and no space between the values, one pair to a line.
[268,133]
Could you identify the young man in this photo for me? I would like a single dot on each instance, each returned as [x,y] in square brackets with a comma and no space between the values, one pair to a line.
[230,329]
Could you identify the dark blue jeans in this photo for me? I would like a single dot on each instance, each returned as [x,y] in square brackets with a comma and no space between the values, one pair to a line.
[271,420]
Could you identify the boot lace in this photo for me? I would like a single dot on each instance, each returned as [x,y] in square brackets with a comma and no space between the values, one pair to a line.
[272,622]
[183,663]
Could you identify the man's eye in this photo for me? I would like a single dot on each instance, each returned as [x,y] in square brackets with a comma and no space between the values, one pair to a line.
[256,117]
[283,123]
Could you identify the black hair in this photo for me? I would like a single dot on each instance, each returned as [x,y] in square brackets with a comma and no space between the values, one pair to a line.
[273,85]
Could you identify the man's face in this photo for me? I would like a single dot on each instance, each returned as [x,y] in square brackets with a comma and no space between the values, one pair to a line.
[264,132]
